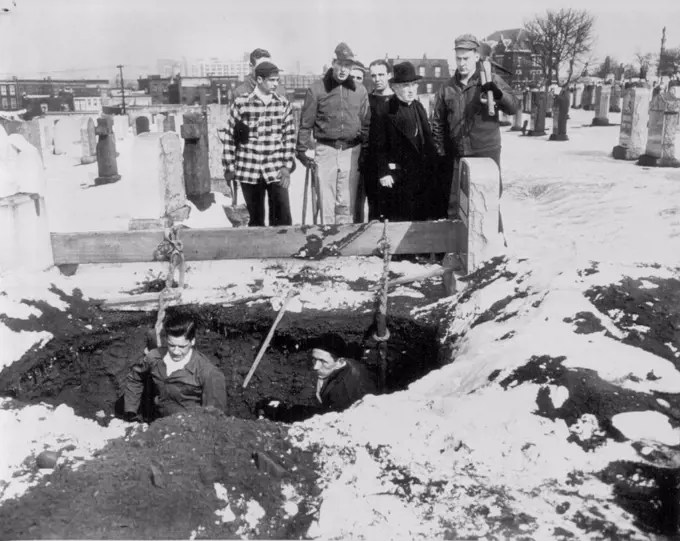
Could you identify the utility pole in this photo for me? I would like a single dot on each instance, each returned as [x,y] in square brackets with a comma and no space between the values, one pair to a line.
[122,85]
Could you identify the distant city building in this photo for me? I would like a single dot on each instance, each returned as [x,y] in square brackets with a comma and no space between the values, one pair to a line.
[511,49]
[87,100]
[217,67]
[133,98]
[53,87]
[190,91]
[169,68]
[434,72]
[157,87]
[9,95]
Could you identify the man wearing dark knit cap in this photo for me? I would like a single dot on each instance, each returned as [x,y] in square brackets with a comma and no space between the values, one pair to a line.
[248,85]
[337,114]
[259,148]
[461,124]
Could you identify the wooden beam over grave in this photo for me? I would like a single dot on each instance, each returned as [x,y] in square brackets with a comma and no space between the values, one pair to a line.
[302,242]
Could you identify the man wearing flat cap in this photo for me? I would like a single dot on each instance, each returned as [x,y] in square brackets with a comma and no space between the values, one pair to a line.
[404,152]
[461,124]
[337,114]
[262,156]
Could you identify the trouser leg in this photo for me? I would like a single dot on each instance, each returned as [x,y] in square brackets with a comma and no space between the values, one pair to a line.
[254,197]
[347,180]
[327,170]
[279,205]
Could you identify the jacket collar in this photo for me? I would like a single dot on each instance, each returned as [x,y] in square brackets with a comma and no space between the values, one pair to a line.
[330,82]
[472,81]
[191,366]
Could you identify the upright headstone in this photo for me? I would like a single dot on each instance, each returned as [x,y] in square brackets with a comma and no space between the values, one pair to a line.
[30,130]
[479,209]
[587,99]
[528,95]
[156,189]
[537,114]
[121,123]
[578,96]
[218,117]
[159,123]
[550,100]
[25,244]
[517,120]
[88,141]
[196,156]
[634,119]
[169,123]
[560,116]
[61,136]
[663,126]
[106,152]
[616,98]
[598,94]
[602,111]
[141,124]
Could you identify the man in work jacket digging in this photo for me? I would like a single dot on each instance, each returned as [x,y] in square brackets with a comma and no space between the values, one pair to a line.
[181,377]
[340,383]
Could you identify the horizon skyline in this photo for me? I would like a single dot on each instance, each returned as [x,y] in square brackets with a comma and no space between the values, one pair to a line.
[85,34]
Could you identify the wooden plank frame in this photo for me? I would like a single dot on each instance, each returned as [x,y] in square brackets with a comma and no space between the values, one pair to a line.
[300,242]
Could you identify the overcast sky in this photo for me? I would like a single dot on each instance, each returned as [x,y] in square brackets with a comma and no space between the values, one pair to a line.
[53,35]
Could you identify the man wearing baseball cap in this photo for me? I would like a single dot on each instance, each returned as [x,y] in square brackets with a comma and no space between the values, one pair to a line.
[461,124]
[336,112]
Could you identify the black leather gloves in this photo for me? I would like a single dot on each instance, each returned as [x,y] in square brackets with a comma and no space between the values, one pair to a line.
[493,87]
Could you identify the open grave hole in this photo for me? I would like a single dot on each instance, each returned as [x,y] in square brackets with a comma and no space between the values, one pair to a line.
[85,365]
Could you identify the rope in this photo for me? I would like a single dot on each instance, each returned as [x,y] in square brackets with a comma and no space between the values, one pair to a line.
[172,249]
[382,333]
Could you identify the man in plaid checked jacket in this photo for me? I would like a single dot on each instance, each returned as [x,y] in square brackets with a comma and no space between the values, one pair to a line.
[259,148]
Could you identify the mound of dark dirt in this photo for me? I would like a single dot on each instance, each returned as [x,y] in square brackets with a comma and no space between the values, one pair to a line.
[160,484]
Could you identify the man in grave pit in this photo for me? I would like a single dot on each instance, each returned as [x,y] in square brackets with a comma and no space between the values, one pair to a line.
[180,377]
[340,383]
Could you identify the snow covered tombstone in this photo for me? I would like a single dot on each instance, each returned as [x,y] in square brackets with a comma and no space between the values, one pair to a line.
[663,126]
[121,123]
[479,210]
[157,184]
[218,117]
[25,244]
[88,141]
[604,93]
[634,118]
[169,123]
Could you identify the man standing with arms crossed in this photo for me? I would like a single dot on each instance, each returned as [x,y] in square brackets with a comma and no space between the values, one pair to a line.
[461,124]
[337,114]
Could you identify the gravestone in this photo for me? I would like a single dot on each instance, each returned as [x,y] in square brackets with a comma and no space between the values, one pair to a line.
[141,124]
[106,152]
[218,117]
[157,191]
[578,96]
[196,156]
[634,119]
[517,120]
[602,106]
[61,136]
[662,129]
[528,94]
[538,102]
[478,186]
[121,124]
[597,93]
[25,244]
[560,116]
[30,130]
[587,99]
[159,123]
[169,123]
[615,102]
[88,141]
[550,100]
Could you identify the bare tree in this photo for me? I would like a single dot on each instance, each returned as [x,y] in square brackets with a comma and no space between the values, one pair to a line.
[644,62]
[561,40]
[669,62]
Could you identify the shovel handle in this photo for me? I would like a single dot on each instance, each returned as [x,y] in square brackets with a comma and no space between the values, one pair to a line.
[486,77]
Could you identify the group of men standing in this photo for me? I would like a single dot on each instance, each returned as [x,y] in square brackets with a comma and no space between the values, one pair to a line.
[379,147]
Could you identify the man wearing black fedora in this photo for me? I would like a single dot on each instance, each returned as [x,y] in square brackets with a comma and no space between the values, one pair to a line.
[404,151]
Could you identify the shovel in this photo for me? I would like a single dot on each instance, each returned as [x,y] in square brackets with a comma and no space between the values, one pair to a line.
[237,213]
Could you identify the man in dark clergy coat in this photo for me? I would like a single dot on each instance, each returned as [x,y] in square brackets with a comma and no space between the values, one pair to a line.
[404,152]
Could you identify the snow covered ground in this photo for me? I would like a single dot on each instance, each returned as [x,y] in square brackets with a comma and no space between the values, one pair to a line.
[500,443]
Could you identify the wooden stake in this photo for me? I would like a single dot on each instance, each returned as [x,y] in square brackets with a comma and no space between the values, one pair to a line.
[260,353]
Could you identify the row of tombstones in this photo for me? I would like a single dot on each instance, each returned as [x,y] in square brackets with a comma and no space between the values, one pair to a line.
[649,122]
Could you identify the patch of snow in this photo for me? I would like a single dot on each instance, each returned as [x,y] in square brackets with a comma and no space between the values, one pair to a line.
[647,425]
[225,514]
